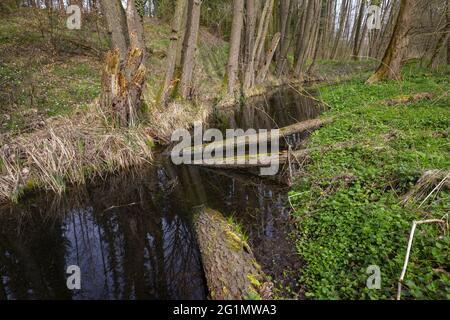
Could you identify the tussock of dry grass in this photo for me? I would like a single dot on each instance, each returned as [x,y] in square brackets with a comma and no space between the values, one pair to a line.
[165,120]
[431,182]
[68,151]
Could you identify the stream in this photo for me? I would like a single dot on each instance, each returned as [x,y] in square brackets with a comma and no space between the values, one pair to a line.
[131,234]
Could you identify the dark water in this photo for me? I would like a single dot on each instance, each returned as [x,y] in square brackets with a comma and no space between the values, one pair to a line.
[131,234]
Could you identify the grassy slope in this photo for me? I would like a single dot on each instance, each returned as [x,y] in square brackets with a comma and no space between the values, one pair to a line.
[38,81]
[35,83]
[349,212]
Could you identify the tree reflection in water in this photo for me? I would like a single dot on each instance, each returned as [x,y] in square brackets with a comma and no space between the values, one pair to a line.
[131,234]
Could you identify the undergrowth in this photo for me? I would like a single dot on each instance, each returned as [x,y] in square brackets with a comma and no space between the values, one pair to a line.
[352,205]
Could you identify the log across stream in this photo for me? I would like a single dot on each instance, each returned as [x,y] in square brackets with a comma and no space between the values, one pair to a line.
[133,234]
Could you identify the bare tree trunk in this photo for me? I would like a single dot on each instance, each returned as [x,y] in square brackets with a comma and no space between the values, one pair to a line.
[135,27]
[230,267]
[443,39]
[116,22]
[359,26]
[175,38]
[235,44]
[342,20]
[123,79]
[305,38]
[263,73]
[390,67]
[285,20]
[122,85]
[321,15]
[262,39]
[325,50]
[249,77]
[190,47]
[250,27]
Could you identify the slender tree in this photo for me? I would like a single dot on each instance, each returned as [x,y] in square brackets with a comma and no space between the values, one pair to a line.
[190,47]
[175,38]
[235,44]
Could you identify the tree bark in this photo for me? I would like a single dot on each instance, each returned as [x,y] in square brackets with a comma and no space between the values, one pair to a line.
[231,270]
[135,27]
[250,26]
[235,44]
[249,78]
[358,32]
[175,38]
[269,57]
[342,20]
[305,38]
[124,78]
[190,47]
[285,20]
[116,22]
[122,85]
[390,67]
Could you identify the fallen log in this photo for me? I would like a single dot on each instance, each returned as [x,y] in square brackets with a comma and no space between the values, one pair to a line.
[231,270]
[255,139]
[256,160]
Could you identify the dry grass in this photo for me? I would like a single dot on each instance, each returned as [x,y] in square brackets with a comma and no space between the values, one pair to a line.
[429,184]
[163,121]
[69,151]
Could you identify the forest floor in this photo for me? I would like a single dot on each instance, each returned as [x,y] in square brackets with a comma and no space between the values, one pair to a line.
[356,199]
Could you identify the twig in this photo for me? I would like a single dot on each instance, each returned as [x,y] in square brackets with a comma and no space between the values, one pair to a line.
[408,251]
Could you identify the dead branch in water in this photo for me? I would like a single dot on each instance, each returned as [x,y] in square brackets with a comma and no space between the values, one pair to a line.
[255,139]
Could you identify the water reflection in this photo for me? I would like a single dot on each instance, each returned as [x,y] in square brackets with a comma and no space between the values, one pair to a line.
[130,238]
[281,108]
[131,234]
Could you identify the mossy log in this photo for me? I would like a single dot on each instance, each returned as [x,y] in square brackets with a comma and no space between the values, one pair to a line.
[252,139]
[231,270]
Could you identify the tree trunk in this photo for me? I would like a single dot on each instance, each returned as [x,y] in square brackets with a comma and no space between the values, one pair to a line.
[175,38]
[262,40]
[358,32]
[285,19]
[231,270]
[116,22]
[135,27]
[269,57]
[342,20]
[390,67]
[250,27]
[124,78]
[190,47]
[305,39]
[443,39]
[122,85]
[235,44]
[249,78]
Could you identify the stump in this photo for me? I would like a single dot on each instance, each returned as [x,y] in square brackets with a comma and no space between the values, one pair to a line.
[122,86]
